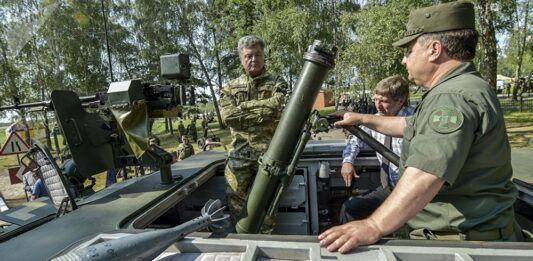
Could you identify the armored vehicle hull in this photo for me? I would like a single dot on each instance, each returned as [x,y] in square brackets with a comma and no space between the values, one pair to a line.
[309,206]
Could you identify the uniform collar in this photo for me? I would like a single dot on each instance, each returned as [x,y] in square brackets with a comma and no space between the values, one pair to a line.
[263,74]
[467,67]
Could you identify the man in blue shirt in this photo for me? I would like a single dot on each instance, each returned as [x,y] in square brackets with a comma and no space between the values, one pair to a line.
[391,98]
[38,189]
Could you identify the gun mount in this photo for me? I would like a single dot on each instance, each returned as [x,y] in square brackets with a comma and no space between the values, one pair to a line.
[112,126]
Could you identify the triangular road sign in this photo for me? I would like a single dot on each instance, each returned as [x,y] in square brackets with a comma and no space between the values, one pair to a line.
[14,145]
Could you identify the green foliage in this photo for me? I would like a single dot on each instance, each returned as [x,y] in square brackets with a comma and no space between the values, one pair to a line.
[287,34]
[232,19]
[373,30]
[326,110]
[508,63]
[517,55]
[62,44]
[505,9]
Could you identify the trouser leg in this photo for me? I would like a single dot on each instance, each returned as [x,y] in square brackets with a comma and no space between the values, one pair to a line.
[238,179]
[360,207]
[240,176]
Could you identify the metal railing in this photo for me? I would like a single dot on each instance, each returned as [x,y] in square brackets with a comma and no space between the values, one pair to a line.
[523,103]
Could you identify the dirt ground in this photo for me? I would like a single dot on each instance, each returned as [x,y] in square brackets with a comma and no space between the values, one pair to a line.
[12,193]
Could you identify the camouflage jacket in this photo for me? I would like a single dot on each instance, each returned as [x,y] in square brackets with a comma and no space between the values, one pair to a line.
[185,151]
[251,107]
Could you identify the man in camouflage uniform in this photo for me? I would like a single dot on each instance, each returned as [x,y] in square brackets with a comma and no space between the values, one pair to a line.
[251,106]
[192,130]
[205,127]
[181,129]
[456,163]
[185,149]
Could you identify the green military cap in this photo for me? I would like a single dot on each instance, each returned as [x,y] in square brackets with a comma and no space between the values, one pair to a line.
[438,18]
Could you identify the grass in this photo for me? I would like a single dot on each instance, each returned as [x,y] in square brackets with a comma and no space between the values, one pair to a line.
[518,119]
[170,141]
[327,110]
[520,129]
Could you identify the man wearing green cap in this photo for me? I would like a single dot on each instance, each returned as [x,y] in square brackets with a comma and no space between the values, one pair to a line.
[455,163]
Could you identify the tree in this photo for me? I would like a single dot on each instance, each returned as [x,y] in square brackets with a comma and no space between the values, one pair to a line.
[191,16]
[372,31]
[523,35]
[494,17]
[488,39]
[287,34]
[61,44]
[232,19]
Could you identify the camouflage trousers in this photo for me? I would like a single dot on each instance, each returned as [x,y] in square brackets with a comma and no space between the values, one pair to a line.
[240,175]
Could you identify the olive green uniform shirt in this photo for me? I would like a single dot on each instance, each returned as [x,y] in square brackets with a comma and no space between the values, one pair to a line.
[458,134]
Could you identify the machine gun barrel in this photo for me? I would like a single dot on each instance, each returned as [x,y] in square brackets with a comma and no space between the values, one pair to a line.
[26,105]
[274,163]
[46,104]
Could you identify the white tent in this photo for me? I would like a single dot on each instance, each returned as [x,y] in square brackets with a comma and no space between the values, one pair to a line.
[504,78]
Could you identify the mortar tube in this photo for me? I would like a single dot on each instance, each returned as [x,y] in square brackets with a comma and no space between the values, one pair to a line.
[274,163]
[287,179]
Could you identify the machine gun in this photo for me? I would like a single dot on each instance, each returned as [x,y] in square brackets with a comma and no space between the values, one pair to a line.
[110,129]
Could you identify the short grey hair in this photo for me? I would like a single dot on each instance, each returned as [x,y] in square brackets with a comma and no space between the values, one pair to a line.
[250,41]
[458,44]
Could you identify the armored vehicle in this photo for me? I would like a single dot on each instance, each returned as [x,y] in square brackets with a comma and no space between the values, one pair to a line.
[131,220]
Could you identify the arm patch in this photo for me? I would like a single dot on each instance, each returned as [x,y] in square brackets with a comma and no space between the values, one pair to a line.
[446,120]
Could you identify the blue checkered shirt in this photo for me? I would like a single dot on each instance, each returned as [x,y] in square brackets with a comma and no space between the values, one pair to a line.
[354,145]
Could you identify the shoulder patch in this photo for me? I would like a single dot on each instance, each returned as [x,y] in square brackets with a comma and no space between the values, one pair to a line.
[446,120]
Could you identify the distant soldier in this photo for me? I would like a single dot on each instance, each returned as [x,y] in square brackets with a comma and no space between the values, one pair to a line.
[185,149]
[205,127]
[181,129]
[507,88]
[251,107]
[192,130]
[28,180]
[342,103]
